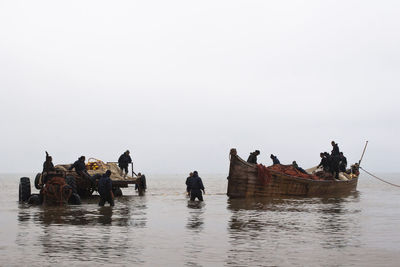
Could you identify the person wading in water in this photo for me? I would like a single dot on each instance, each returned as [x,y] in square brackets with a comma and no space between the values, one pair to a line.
[196,186]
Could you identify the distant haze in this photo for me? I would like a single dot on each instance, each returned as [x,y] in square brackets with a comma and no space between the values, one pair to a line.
[179,83]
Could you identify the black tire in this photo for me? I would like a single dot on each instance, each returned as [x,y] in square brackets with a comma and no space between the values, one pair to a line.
[37,180]
[117,192]
[24,189]
[74,199]
[35,199]
[70,180]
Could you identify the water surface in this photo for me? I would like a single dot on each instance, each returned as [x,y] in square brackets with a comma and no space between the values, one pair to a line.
[163,228]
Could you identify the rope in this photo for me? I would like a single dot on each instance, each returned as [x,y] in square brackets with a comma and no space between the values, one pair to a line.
[379,178]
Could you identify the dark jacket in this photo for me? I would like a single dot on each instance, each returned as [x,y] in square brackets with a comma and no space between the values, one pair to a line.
[195,183]
[105,185]
[335,150]
[78,165]
[124,160]
[252,158]
[188,184]
[275,160]
[48,166]
[342,163]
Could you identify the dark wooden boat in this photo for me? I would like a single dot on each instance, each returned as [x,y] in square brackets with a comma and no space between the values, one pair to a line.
[244,182]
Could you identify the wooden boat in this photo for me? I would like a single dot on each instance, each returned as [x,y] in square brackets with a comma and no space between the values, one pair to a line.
[244,182]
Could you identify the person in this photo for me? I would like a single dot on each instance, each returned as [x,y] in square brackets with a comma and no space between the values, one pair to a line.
[324,162]
[105,189]
[80,167]
[275,160]
[188,183]
[335,149]
[142,182]
[48,167]
[342,162]
[196,186]
[48,164]
[296,166]
[253,157]
[124,161]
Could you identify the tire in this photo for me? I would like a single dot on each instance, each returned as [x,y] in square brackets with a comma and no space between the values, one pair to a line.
[35,199]
[74,199]
[117,192]
[24,189]
[70,180]
[37,180]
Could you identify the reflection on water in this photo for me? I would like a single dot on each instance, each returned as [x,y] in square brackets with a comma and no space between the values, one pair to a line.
[85,232]
[260,229]
[195,218]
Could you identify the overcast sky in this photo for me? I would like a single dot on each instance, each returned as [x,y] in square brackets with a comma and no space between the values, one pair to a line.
[179,83]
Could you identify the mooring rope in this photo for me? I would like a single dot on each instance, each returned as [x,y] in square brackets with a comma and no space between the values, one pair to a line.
[379,178]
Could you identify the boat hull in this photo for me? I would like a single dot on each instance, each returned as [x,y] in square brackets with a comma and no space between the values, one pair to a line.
[243,182]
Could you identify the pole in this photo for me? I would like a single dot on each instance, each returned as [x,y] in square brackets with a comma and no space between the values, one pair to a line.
[362,155]
[133,173]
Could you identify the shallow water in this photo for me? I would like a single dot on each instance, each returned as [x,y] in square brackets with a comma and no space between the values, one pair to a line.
[163,228]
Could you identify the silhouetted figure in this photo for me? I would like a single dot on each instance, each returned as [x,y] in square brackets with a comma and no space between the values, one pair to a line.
[124,161]
[105,189]
[80,167]
[48,164]
[324,162]
[196,186]
[253,157]
[294,164]
[188,183]
[142,182]
[275,160]
[335,149]
[342,162]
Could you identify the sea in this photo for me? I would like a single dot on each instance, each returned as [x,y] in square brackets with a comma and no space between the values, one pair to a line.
[164,228]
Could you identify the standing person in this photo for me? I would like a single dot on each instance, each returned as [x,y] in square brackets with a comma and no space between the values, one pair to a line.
[188,183]
[105,189]
[196,186]
[253,157]
[342,162]
[48,165]
[275,160]
[124,161]
[335,149]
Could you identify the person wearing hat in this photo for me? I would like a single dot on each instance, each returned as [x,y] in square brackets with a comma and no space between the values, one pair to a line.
[196,186]
[105,189]
[275,160]
[123,162]
[253,157]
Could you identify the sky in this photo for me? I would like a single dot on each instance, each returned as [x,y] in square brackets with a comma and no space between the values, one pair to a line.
[179,83]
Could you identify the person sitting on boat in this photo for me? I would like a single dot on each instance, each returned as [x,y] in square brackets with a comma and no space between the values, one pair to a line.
[188,183]
[105,189]
[294,164]
[196,186]
[275,160]
[124,161]
[253,157]
[80,167]
[342,162]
